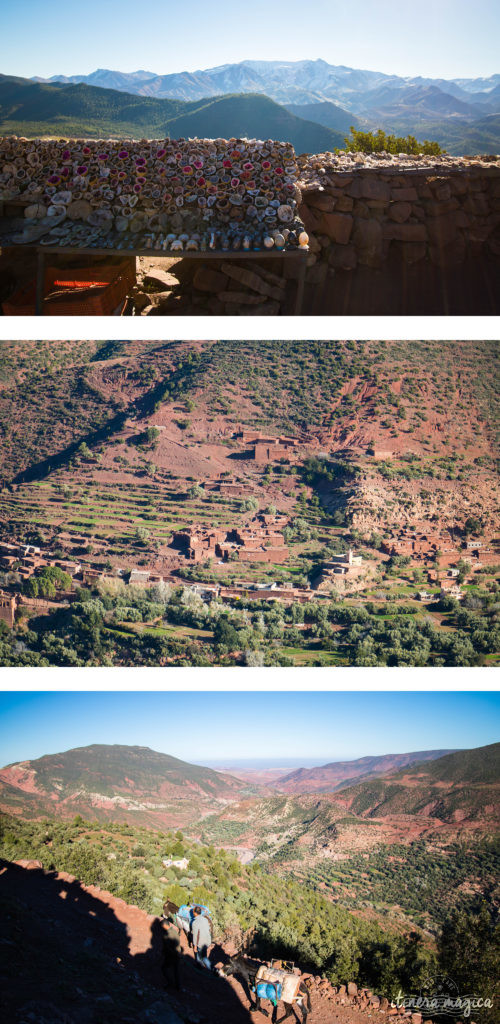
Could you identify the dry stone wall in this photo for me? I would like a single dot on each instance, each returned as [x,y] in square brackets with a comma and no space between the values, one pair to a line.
[358,209]
[367,212]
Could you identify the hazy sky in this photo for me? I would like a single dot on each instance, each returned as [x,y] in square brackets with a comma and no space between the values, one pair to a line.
[215,726]
[438,38]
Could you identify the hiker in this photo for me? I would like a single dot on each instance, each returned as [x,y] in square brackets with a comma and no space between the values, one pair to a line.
[202,937]
[171,951]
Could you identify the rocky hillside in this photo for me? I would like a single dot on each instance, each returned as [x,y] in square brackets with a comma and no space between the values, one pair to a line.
[115,783]
[75,954]
[339,774]
[458,787]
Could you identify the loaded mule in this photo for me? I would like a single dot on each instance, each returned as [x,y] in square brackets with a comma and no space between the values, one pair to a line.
[272,983]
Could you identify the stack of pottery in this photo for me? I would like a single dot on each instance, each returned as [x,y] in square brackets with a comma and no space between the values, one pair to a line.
[241,192]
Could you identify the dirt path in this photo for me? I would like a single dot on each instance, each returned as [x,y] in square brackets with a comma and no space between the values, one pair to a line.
[73,954]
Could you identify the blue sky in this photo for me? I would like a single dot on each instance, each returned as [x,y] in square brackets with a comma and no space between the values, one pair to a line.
[220,727]
[448,38]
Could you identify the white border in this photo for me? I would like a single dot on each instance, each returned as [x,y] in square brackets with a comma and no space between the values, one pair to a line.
[230,328]
[240,678]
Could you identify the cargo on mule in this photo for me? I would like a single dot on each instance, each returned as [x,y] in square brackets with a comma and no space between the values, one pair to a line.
[270,982]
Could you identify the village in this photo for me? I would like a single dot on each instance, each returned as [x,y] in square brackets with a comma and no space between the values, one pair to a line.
[36,579]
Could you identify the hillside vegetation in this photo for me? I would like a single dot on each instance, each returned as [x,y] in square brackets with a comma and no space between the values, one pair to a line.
[35,109]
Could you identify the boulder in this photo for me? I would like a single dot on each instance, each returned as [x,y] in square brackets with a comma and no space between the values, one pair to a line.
[352,989]
[160,279]
[321,201]
[253,281]
[366,187]
[338,226]
[399,212]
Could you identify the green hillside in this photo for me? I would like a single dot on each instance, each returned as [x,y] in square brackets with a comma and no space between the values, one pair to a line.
[35,109]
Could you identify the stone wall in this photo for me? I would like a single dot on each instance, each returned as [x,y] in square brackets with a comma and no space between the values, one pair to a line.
[419,221]
[358,211]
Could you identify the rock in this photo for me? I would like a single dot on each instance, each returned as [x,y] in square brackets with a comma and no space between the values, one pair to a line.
[416,1018]
[375,1002]
[477,204]
[352,989]
[338,226]
[384,1004]
[160,279]
[369,188]
[368,240]
[399,212]
[208,280]
[140,300]
[344,204]
[321,201]
[342,990]
[252,281]
[435,209]
[404,195]
[367,234]
[441,189]
[158,298]
[314,244]
[442,230]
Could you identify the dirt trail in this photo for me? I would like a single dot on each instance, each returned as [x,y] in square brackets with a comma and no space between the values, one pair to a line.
[73,954]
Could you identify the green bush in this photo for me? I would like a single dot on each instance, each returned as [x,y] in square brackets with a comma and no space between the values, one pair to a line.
[379,142]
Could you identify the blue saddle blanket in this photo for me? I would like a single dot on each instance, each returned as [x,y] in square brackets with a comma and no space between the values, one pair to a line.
[267,990]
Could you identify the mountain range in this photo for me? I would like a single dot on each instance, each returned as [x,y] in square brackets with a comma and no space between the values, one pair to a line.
[461,114]
[339,774]
[145,787]
[301,82]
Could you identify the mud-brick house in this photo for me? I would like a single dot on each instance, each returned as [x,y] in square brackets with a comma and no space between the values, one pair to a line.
[138,577]
[424,595]
[72,568]
[8,606]
[474,545]
[197,544]
[232,490]
[453,590]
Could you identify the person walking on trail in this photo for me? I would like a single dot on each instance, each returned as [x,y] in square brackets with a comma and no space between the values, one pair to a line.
[202,937]
[171,952]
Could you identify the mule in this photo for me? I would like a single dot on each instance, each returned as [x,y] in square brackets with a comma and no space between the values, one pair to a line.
[248,970]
